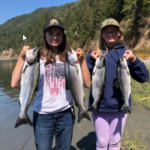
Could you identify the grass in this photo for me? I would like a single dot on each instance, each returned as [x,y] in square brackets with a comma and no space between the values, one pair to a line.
[86,91]
[134,143]
[140,92]
[142,53]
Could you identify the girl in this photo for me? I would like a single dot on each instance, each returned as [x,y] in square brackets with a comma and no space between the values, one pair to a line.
[109,121]
[52,104]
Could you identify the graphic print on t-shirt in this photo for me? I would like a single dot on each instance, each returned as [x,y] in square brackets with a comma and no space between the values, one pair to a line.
[55,78]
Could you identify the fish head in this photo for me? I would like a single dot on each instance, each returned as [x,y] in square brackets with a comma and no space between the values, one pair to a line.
[31,55]
[122,62]
[100,62]
[71,57]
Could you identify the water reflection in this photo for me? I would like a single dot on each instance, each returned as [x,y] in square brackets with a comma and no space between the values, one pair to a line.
[6,69]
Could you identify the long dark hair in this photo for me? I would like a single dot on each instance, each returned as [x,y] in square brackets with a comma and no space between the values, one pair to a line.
[50,55]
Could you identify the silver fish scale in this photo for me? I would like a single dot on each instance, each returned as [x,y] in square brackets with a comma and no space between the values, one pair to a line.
[74,82]
[98,80]
[29,82]
[124,83]
[75,86]
[28,86]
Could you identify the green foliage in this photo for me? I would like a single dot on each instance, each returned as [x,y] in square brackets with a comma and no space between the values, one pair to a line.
[136,11]
[133,141]
[114,8]
[140,92]
[82,22]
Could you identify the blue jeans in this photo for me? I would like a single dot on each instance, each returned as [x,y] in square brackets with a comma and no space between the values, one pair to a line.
[48,125]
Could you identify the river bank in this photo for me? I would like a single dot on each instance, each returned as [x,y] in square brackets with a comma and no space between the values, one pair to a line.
[136,133]
[8,59]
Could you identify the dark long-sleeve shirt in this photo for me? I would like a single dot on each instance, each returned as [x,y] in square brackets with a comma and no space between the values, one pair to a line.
[111,100]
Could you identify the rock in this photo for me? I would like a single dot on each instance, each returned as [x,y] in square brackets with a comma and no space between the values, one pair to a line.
[7,54]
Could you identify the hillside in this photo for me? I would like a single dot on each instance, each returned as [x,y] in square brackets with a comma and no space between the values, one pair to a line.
[82,22]
[30,25]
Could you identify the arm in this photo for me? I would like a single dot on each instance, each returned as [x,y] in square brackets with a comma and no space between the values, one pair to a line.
[84,68]
[137,68]
[90,59]
[16,75]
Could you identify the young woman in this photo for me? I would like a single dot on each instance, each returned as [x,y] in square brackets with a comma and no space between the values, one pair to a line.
[110,121]
[52,104]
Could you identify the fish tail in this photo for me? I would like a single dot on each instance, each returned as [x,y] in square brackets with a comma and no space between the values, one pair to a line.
[82,115]
[93,108]
[21,121]
[125,108]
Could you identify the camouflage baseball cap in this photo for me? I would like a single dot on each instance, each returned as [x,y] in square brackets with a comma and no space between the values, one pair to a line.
[109,21]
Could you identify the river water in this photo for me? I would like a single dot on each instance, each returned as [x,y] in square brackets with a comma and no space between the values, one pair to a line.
[20,138]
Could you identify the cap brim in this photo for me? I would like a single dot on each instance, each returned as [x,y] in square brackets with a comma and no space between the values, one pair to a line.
[54,26]
[110,25]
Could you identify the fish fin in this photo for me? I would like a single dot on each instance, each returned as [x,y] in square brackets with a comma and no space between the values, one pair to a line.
[93,108]
[128,72]
[84,97]
[19,101]
[21,121]
[24,68]
[125,108]
[77,69]
[116,84]
[76,103]
[82,115]
[94,70]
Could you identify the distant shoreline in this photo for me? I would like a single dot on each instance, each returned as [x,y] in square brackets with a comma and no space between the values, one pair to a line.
[7,59]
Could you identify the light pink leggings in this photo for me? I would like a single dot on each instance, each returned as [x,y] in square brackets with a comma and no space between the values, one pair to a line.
[109,128]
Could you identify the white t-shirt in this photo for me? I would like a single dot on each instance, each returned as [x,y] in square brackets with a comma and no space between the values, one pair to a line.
[52,96]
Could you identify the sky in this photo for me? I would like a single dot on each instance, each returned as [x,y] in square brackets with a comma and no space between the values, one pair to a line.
[12,8]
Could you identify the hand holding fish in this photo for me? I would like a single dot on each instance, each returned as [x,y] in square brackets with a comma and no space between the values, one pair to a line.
[80,54]
[95,54]
[128,54]
[23,52]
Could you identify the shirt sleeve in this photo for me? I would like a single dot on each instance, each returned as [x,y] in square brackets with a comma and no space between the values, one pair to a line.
[138,70]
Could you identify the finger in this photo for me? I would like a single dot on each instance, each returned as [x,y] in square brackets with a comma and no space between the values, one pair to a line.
[127,51]
[78,54]
[27,47]
[78,49]
[98,55]
[127,57]
[94,50]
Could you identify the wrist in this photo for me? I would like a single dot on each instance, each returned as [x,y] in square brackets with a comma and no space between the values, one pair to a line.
[133,59]
[81,60]
[22,57]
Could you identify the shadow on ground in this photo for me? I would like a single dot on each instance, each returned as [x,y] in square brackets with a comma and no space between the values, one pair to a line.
[71,148]
[87,142]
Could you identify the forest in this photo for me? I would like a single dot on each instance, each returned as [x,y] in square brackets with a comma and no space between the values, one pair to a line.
[82,22]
